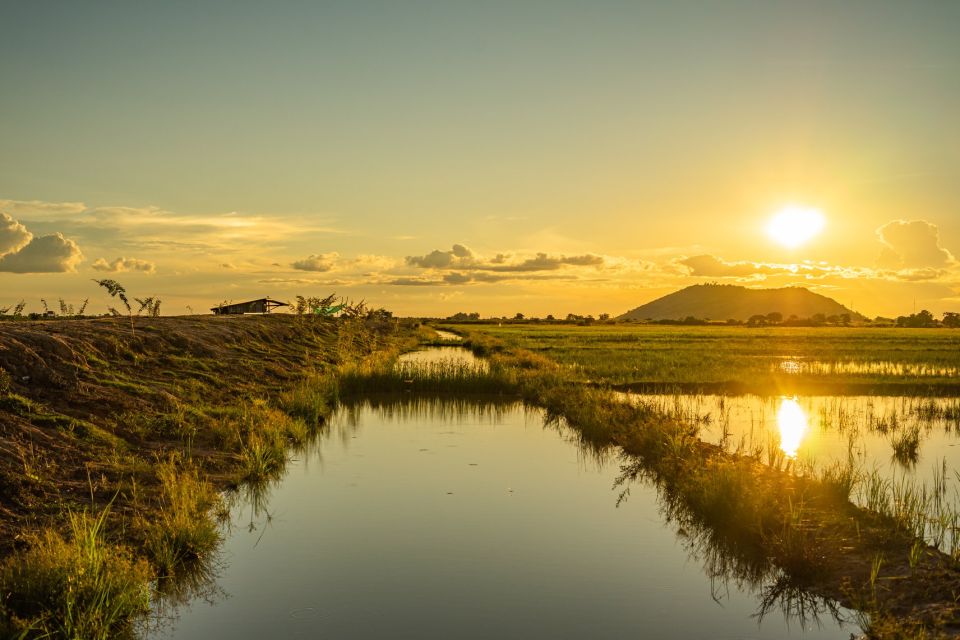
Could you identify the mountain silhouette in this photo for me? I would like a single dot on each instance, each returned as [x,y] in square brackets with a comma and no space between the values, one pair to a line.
[726,302]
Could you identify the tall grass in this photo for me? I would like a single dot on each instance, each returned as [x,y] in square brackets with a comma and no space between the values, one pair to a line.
[82,587]
[181,532]
[450,376]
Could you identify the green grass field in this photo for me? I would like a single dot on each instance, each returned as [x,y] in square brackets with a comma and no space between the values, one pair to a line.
[745,359]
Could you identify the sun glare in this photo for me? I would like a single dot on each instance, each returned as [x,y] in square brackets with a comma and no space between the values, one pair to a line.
[794,225]
[792,422]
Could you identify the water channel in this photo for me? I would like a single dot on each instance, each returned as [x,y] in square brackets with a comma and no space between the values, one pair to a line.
[438,518]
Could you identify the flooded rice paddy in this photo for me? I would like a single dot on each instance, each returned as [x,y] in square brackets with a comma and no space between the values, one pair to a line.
[414,517]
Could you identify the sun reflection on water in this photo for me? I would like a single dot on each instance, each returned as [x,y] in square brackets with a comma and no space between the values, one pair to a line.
[792,422]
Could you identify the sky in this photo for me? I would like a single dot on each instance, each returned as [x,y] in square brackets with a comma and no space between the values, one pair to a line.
[495,157]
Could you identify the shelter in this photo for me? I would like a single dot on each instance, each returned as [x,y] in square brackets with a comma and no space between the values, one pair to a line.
[263,305]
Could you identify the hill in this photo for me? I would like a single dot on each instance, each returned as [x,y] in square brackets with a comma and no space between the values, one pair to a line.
[723,302]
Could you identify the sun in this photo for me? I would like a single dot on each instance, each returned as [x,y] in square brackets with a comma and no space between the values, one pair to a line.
[795,225]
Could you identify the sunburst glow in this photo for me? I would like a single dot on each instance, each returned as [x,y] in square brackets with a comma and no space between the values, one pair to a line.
[795,225]
[792,422]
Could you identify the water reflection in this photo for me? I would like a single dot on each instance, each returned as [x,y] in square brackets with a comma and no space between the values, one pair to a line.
[480,510]
[793,425]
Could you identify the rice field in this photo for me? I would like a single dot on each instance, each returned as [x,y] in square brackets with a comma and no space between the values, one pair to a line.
[851,359]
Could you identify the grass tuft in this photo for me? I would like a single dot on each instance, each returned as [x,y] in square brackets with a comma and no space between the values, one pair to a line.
[182,532]
[82,587]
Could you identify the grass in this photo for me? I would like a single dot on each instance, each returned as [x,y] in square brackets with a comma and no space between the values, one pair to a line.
[738,358]
[180,532]
[78,587]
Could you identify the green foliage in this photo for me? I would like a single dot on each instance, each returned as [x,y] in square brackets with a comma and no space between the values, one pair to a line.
[310,399]
[82,587]
[181,532]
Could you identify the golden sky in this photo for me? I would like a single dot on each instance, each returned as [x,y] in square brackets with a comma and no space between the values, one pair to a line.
[435,157]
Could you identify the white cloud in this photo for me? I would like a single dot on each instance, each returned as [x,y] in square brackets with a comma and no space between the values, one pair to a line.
[13,235]
[124,264]
[44,254]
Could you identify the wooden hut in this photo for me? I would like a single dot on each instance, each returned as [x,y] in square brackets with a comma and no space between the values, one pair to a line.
[263,305]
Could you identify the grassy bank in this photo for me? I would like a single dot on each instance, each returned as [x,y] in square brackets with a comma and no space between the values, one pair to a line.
[114,447]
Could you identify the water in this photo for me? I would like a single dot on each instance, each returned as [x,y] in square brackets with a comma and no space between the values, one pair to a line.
[433,355]
[819,431]
[815,433]
[436,519]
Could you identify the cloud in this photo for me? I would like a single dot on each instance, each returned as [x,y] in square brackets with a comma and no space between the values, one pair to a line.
[44,254]
[139,229]
[461,258]
[912,244]
[317,262]
[458,256]
[124,264]
[37,207]
[543,262]
[712,266]
[414,282]
[13,235]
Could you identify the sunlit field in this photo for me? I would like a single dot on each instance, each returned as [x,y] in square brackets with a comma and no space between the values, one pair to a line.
[747,359]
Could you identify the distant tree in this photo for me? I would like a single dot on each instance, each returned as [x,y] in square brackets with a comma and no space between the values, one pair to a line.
[845,319]
[951,319]
[774,317]
[603,317]
[922,319]
[550,317]
[758,320]
[818,318]
[519,316]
